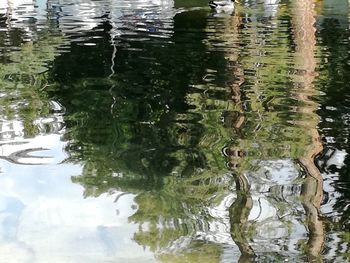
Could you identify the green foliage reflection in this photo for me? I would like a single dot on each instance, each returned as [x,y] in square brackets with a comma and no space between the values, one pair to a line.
[23,79]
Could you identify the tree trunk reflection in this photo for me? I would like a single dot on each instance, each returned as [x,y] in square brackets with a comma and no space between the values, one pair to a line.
[241,207]
[312,188]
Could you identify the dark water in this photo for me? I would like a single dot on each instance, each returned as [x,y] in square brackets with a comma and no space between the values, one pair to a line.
[154,131]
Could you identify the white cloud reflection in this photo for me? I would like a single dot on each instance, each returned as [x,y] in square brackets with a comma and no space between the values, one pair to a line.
[44,217]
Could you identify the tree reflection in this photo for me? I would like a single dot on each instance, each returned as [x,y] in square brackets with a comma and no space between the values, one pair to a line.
[26,110]
[150,114]
[155,132]
[312,188]
[334,161]
[240,228]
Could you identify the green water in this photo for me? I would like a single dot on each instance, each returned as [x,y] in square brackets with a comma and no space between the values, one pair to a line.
[154,131]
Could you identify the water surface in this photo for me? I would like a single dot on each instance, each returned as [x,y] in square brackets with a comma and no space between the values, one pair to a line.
[162,131]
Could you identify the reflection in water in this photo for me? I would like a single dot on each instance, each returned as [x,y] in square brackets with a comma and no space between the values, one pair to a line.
[334,126]
[240,228]
[312,188]
[189,136]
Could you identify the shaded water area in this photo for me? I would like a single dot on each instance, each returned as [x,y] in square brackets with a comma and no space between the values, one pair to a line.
[161,131]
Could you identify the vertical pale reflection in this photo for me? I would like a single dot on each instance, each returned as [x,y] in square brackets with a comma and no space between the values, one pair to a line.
[312,188]
[240,209]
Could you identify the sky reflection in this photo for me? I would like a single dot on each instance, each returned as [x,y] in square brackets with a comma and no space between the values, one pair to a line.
[44,217]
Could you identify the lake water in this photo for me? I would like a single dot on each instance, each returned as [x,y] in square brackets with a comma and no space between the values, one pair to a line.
[162,131]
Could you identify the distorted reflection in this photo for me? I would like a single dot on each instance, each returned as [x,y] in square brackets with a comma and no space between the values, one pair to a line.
[161,131]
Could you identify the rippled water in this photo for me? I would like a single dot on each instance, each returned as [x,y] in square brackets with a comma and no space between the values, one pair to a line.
[163,131]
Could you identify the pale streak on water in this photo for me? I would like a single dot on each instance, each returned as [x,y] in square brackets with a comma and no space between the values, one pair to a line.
[44,217]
